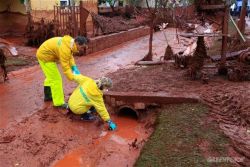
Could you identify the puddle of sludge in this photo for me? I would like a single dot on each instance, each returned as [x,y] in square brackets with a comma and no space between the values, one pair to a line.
[110,148]
[73,159]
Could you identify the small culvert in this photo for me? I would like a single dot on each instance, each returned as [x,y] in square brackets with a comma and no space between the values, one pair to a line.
[128,111]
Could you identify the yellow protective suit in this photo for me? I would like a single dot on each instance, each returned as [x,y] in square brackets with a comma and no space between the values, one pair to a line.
[86,95]
[57,49]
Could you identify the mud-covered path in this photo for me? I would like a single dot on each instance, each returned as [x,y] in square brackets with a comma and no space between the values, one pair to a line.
[44,135]
[38,131]
[22,95]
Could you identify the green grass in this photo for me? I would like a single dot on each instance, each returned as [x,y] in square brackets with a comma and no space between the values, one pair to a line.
[175,141]
[16,61]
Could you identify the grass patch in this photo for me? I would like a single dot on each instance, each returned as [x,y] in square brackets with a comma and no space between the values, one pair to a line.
[175,141]
[16,61]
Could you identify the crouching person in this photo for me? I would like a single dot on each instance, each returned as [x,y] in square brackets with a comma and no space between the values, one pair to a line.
[88,97]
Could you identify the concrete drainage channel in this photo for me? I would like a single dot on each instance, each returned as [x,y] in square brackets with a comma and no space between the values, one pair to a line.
[132,104]
[128,111]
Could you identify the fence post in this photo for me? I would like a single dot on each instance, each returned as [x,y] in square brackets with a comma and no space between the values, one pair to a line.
[83,19]
[82,24]
[74,27]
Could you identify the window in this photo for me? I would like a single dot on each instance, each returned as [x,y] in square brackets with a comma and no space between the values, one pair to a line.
[64,2]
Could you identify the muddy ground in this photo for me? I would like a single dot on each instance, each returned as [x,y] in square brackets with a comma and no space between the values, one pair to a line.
[115,24]
[45,137]
[49,138]
[33,126]
[48,135]
[229,102]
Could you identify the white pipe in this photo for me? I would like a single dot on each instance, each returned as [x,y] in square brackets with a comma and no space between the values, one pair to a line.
[242,37]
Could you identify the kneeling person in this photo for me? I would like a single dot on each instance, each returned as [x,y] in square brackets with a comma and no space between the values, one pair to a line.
[89,94]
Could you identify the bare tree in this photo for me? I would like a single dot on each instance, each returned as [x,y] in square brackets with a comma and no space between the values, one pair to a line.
[158,14]
[242,16]
[112,4]
[155,14]
[152,21]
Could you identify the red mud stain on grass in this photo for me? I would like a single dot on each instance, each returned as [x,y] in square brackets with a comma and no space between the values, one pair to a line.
[228,101]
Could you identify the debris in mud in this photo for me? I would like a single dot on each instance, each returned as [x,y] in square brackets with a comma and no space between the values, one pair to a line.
[240,71]
[182,59]
[38,32]
[204,78]
[111,25]
[168,53]
[136,144]
[7,139]
[232,113]
[49,117]
[197,60]
[4,48]
[3,71]
[194,61]
[149,125]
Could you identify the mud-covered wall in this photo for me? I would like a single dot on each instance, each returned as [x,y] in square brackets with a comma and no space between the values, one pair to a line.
[103,42]
[43,9]
[43,4]
[39,10]
[13,17]
[3,5]
[12,6]
[37,15]
[12,24]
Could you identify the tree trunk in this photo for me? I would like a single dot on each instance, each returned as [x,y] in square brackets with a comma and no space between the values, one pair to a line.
[242,16]
[222,67]
[113,10]
[149,56]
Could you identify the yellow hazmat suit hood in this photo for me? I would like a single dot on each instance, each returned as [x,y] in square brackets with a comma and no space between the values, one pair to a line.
[59,49]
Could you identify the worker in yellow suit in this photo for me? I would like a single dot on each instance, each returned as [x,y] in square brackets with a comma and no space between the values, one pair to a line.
[59,49]
[89,95]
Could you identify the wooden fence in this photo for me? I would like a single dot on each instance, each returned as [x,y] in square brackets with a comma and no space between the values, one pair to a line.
[72,20]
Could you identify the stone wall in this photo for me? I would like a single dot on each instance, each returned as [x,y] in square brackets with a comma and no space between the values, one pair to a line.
[12,24]
[102,42]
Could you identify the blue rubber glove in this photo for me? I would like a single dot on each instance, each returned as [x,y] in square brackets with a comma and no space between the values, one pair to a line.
[75,70]
[112,125]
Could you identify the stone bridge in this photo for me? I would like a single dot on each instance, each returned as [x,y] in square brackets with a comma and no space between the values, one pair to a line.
[139,101]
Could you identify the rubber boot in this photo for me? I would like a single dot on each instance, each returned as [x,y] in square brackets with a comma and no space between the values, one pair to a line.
[88,117]
[92,110]
[47,93]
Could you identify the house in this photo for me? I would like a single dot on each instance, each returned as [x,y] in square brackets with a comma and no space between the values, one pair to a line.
[13,14]
[13,17]
[236,7]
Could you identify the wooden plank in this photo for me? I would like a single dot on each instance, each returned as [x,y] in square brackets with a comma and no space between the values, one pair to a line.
[149,63]
[73,15]
[231,55]
[60,20]
[151,97]
[211,7]
[202,35]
